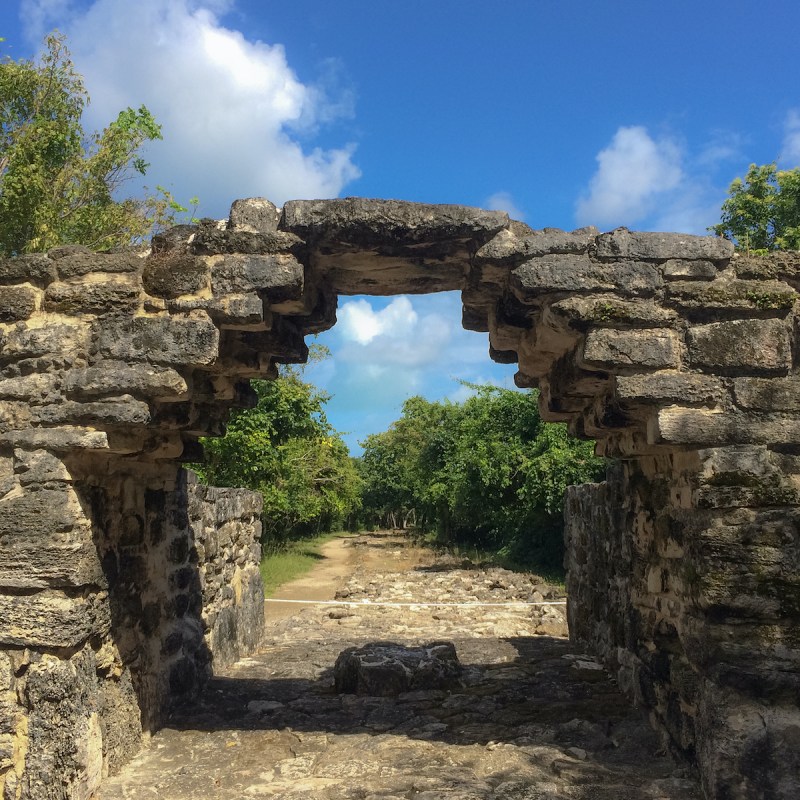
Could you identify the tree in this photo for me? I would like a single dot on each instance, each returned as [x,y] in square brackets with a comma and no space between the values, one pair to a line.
[763,211]
[488,472]
[58,185]
[286,449]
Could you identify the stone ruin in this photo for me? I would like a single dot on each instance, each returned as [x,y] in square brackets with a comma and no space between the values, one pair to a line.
[122,581]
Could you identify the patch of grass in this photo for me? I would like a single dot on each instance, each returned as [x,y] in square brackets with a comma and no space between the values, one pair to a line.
[292,561]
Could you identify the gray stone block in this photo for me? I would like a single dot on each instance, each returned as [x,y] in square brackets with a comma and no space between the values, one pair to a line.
[98,296]
[567,273]
[49,619]
[47,541]
[622,243]
[173,274]
[17,302]
[182,341]
[117,377]
[647,349]
[279,276]
[254,215]
[507,248]
[744,345]
[371,223]
[36,268]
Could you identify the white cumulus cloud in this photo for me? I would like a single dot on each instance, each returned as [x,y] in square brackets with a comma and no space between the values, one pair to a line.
[235,116]
[790,153]
[395,335]
[503,201]
[632,172]
[359,322]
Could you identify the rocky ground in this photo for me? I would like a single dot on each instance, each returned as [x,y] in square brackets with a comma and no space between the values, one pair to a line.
[530,719]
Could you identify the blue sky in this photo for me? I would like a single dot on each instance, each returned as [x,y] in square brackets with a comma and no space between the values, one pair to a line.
[629,112]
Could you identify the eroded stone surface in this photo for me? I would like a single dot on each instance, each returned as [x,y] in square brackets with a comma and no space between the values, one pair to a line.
[115,364]
[531,718]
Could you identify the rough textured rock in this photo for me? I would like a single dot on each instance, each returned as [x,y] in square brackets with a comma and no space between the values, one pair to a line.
[623,243]
[661,347]
[532,717]
[383,669]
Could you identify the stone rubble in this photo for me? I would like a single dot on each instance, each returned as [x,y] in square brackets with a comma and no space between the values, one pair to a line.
[530,719]
[671,351]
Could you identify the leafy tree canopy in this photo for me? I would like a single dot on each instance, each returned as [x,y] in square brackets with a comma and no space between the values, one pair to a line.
[286,449]
[763,211]
[58,184]
[488,472]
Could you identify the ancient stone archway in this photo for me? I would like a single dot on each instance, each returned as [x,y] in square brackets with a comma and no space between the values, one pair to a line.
[119,580]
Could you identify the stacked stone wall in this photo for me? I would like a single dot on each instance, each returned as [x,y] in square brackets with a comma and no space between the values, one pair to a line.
[225,526]
[108,619]
[679,357]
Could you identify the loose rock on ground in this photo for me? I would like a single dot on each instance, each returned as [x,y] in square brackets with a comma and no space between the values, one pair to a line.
[530,718]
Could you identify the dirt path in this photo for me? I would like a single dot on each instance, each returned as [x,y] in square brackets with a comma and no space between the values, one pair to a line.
[530,719]
[320,583]
[340,558]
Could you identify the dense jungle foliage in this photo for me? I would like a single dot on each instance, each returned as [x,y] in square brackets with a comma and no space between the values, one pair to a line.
[487,473]
[286,449]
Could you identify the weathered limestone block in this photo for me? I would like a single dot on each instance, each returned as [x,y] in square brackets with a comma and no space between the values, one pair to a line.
[74,261]
[120,718]
[51,335]
[738,465]
[17,302]
[385,247]
[46,538]
[36,388]
[93,294]
[731,296]
[384,669]
[746,749]
[767,394]
[508,248]
[646,349]
[610,311]
[124,410]
[622,243]
[39,467]
[51,618]
[114,378]
[65,755]
[254,215]
[211,242]
[60,439]
[36,268]
[180,341]
[14,415]
[279,276]
[567,273]
[172,275]
[366,223]
[670,387]
[243,311]
[749,346]
[680,269]
[700,427]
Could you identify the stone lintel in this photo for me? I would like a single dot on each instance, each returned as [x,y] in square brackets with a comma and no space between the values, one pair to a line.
[622,243]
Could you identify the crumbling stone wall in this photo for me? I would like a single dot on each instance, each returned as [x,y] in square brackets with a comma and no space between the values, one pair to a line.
[107,619]
[679,358]
[225,528]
